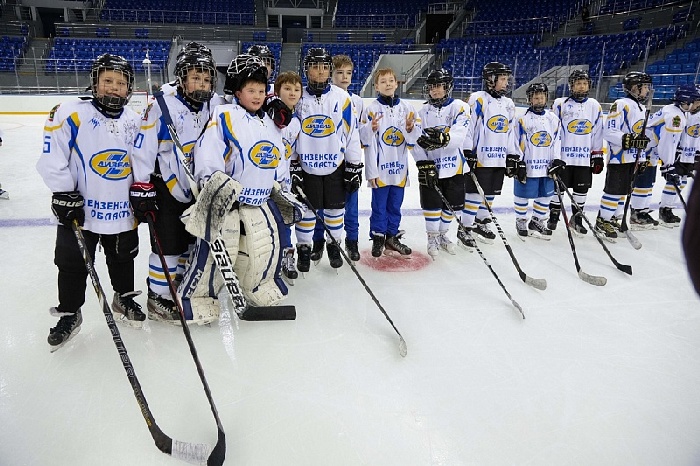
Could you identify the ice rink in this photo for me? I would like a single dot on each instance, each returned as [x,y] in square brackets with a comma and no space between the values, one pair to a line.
[593,376]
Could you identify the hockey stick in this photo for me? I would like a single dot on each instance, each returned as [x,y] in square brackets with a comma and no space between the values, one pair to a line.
[590,279]
[481,254]
[680,196]
[539,283]
[224,263]
[195,453]
[624,228]
[403,349]
[621,267]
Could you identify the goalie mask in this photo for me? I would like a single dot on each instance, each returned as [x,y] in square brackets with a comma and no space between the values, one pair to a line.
[576,81]
[108,95]
[491,77]
[634,85]
[202,63]
[438,79]
[266,55]
[244,68]
[536,91]
[318,63]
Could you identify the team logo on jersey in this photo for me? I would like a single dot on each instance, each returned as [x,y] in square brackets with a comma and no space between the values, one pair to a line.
[188,152]
[580,127]
[393,137]
[637,127]
[613,108]
[264,154]
[498,124]
[318,126]
[541,139]
[693,131]
[287,148]
[53,112]
[111,164]
[676,122]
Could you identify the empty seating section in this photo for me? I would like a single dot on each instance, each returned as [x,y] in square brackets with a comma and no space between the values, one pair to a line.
[364,56]
[374,14]
[78,54]
[623,6]
[495,17]
[239,12]
[11,49]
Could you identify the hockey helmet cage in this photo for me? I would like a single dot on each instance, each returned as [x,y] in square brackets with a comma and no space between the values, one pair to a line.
[635,79]
[440,77]
[108,62]
[579,75]
[317,56]
[243,68]
[199,60]
[491,72]
[533,89]
[264,52]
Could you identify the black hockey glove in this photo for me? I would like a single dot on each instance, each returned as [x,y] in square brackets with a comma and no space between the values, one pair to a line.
[634,141]
[682,168]
[555,168]
[353,176]
[68,206]
[297,176]
[277,110]
[144,201]
[521,172]
[697,156]
[597,163]
[433,138]
[472,159]
[511,165]
[670,175]
[427,173]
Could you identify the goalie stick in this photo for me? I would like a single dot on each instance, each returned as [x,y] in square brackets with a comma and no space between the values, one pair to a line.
[591,279]
[493,272]
[195,453]
[224,263]
[539,283]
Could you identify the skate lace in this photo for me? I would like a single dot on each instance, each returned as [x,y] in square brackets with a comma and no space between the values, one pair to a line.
[65,324]
[444,241]
[433,242]
[130,307]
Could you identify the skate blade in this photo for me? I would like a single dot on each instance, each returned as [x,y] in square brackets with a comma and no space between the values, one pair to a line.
[53,349]
[663,224]
[121,319]
[540,236]
[523,237]
[577,233]
[396,254]
[638,227]
[466,248]
[288,281]
[452,251]
[482,239]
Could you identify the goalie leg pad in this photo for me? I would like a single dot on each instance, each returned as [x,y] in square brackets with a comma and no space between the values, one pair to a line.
[205,218]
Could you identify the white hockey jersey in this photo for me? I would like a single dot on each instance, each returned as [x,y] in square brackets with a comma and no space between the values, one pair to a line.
[386,150]
[245,146]
[539,141]
[664,131]
[492,129]
[154,144]
[289,138]
[581,129]
[690,139]
[328,133]
[625,116]
[87,152]
[454,115]
[358,105]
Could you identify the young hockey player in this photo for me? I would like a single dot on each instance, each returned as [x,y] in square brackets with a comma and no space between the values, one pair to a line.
[581,133]
[539,145]
[342,77]
[158,170]
[387,131]
[268,58]
[687,155]
[439,159]
[288,87]
[86,163]
[491,152]
[3,194]
[623,131]
[329,161]
[666,129]
[235,162]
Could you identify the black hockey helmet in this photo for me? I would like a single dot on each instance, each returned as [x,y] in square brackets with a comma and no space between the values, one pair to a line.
[441,77]
[318,56]
[192,47]
[686,94]
[579,75]
[633,82]
[491,72]
[196,59]
[533,89]
[108,62]
[264,52]
[243,68]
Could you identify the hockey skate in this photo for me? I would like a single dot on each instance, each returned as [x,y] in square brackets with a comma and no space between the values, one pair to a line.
[4,194]
[446,245]
[351,249]
[606,229]
[304,253]
[576,224]
[289,270]
[466,240]
[482,232]
[521,228]
[126,310]
[67,327]
[553,219]
[395,248]
[433,244]
[377,244]
[668,218]
[162,309]
[317,252]
[538,229]
[334,257]
[641,220]
[615,222]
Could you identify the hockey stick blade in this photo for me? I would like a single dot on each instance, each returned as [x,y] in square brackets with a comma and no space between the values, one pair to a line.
[538,283]
[633,240]
[592,279]
[263,313]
